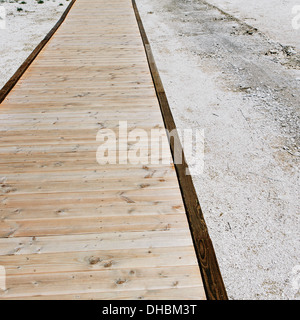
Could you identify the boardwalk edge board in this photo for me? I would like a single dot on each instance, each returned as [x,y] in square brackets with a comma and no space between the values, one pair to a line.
[24,66]
[210,271]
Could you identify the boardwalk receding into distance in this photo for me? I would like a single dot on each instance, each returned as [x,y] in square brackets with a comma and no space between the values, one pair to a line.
[70,227]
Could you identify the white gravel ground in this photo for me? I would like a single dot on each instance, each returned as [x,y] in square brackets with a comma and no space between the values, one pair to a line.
[274,18]
[242,87]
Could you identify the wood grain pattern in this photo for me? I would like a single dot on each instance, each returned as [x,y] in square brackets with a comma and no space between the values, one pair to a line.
[71,228]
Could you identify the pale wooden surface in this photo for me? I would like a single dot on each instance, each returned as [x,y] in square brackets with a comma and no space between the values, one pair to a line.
[71,228]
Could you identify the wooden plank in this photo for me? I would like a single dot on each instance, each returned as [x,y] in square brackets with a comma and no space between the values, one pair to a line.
[98,260]
[103,281]
[47,211]
[190,293]
[99,241]
[33,227]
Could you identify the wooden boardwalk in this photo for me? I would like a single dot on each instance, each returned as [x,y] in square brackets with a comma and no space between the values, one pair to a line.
[70,227]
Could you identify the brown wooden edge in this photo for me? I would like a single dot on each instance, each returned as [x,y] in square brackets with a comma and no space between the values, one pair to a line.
[24,66]
[210,271]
